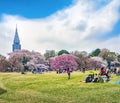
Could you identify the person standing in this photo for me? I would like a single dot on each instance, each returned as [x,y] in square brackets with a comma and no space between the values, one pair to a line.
[68,72]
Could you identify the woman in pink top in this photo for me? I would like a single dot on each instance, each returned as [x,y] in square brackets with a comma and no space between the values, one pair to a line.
[68,72]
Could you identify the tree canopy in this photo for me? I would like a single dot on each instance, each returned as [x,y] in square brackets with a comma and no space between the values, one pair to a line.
[63,52]
[63,62]
[96,52]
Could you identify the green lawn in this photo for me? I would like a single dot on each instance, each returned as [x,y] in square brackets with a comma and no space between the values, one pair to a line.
[56,88]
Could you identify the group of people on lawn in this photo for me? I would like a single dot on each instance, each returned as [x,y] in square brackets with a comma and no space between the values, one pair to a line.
[103,76]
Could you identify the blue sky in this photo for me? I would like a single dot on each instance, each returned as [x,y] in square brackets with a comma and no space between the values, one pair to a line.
[32,8]
[82,25]
[114,32]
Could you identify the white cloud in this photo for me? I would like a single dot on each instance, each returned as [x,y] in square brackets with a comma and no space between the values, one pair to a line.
[77,27]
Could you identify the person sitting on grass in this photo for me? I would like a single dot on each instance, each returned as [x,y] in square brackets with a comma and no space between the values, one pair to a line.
[102,71]
[88,78]
[118,72]
[105,74]
[96,78]
[92,74]
[100,78]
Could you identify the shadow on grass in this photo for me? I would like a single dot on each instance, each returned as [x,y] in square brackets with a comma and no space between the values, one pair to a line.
[2,91]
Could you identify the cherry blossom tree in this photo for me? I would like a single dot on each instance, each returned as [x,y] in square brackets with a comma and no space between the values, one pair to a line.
[18,59]
[4,64]
[63,62]
[82,60]
[33,63]
[97,62]
[24,58]
[108,56]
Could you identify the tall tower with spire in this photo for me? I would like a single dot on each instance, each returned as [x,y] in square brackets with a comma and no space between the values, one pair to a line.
[16,43]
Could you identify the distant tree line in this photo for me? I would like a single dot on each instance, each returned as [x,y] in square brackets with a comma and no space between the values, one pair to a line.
[25,60]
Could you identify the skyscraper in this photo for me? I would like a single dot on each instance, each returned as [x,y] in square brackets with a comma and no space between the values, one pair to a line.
[16,43]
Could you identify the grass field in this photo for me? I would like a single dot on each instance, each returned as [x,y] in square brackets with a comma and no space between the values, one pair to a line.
[56,88]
